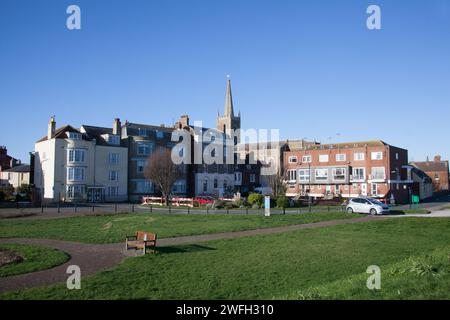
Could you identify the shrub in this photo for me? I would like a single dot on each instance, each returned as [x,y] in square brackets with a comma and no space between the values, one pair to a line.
[255,198]
[282,201]
[218,204]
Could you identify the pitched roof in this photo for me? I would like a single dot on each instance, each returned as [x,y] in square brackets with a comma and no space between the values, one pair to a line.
[19,168]
[60,133]
[428,166]
[94,132]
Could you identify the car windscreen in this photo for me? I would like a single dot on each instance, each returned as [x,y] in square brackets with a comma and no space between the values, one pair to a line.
[373,201]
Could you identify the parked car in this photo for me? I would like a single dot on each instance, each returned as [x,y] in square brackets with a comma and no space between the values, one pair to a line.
[366,205]
[203,200]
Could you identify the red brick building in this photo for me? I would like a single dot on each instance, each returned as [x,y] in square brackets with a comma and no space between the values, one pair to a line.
[437,170]
[372,168]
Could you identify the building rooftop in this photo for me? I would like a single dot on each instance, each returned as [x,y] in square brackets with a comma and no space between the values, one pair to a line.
[19,168]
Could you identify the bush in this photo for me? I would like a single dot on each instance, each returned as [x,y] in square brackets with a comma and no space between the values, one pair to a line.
[282,202]
[255,198]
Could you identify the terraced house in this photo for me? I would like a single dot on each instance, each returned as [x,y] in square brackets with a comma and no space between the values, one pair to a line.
[85,164]
[352,169]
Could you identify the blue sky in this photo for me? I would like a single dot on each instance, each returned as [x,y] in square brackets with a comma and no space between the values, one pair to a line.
[310,68]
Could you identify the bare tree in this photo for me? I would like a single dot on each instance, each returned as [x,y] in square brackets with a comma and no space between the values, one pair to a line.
[277,182]
[162,172]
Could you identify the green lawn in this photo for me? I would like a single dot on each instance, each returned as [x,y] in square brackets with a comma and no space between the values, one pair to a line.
[291,265]
[35,258]
[114,228]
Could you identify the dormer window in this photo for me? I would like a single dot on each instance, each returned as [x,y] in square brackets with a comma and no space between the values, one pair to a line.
[114,140]
[74,135]
[142,132]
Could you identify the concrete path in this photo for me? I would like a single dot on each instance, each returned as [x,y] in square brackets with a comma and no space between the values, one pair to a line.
[433,214]
[93,258]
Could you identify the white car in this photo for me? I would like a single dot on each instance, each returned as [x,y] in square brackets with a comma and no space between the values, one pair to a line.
[367,205]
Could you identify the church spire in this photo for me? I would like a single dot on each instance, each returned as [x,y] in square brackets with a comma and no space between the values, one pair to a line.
[229,112]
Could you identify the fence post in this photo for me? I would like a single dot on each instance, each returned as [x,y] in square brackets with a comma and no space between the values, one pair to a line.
[75,207]
[151,208]
[115,207]
[42,208]
[132,207]
[93,207]
[17,204]
[228,211]
[170,209]
[284,210]
[59,207]
[207,210]
[188,209]
[246,210]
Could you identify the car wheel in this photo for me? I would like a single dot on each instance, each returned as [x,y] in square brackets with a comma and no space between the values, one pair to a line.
[373,212]
[349,210]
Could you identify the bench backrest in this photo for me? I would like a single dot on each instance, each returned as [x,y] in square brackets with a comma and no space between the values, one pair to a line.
[140,235]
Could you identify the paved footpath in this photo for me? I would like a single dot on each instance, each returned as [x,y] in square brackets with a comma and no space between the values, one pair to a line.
[94,258]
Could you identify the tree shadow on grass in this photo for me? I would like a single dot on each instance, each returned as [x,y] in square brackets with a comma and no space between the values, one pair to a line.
[183,249]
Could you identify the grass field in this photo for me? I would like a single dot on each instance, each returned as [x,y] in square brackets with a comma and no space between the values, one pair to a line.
[35,258]
[114,228]
[318,263]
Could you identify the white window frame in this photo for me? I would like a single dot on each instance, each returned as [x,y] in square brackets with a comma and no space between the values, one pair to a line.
[252,177]
[376,176]
[148,148]
[76,155]
[292,159]
[341,157]
[322,158]
[292,175]
[359,156]
[113,158]
[376,155]
[334,171]
[303,175]
[307,159]
[113,139]
[75,174]
[113,175]
[318,177]
[74,135]
[358,177]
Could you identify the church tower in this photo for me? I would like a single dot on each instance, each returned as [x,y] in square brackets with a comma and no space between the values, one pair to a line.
[229,121]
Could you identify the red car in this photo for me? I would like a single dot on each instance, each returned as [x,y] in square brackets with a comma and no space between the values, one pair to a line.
[203,200]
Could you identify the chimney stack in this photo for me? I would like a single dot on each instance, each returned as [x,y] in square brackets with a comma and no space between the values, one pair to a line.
[184,120]
[51,128]
[117,127]
[437,158]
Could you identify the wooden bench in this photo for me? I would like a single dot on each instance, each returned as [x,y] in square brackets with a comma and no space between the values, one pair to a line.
[141,240]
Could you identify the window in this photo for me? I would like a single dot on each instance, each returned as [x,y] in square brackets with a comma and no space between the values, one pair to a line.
[113,175]
[113,158]
[140,165]
[75,174]
[142,132]
[340,157]
[144,148]
[76,155]
[205,185]
[292,175]
[323,158]
[321,174]
[144,187]
[396,156]
[359,173]
[339,174]
[292,159]
[159,134]
[225,184]
[75,192]
[374,189]
[114,140]
[307,159]
[179,187]
[237,176]
[215,183]
[252,178]
[74,135]
[113,192]
[303,174]
[359,156]
[376,156]
[378,173]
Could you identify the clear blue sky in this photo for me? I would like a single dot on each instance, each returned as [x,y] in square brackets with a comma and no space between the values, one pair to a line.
[310,68]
